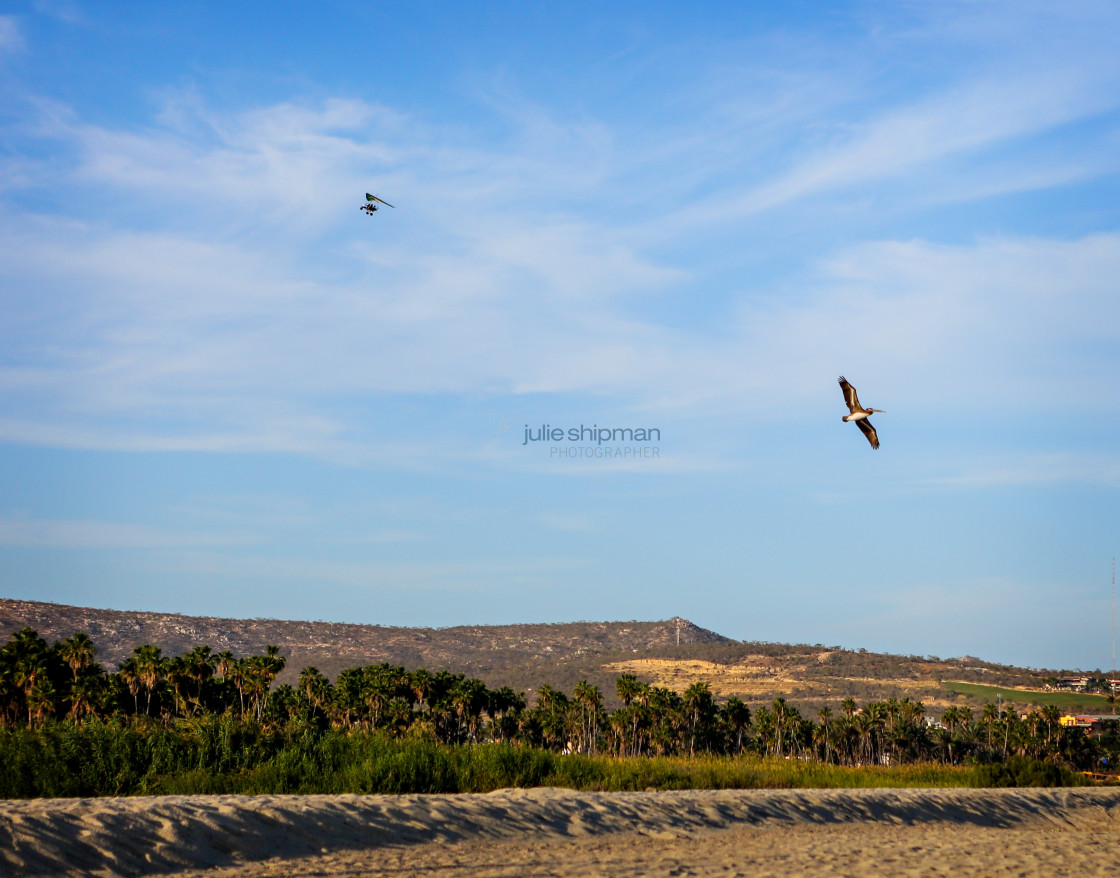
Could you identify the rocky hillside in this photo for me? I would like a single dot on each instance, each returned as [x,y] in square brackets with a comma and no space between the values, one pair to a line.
[522,656]
[526,657]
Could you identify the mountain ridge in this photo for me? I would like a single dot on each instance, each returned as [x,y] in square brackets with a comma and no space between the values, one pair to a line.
[479,650]
[528,656]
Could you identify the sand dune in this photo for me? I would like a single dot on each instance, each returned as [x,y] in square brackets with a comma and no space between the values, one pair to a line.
[566,833]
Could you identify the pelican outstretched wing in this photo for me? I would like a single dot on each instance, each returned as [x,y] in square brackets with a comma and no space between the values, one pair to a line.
[869,432]
[850,398]
[375,198]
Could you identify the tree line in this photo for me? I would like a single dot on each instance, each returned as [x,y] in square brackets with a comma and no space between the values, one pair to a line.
[42,683]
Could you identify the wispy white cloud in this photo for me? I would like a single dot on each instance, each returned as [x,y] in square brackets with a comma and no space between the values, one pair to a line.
[66,11]
[698,234]
[865,156]
[283,167]
[1025,621]
[91,534]
[587,464]
[993,326]
[11,36]
[172,321]
[569,522]
[493,576]
[212,347]
[231,297]
[1038,469]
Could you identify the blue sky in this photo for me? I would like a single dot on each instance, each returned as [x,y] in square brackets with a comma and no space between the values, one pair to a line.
[225,391]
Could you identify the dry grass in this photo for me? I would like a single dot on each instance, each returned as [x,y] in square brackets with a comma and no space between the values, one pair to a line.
[761,678]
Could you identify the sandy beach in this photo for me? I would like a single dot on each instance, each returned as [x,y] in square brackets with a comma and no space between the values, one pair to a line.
[565,833]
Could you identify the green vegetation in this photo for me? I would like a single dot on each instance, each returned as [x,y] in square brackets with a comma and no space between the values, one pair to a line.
[226,755]
[216,723]
[1081,702]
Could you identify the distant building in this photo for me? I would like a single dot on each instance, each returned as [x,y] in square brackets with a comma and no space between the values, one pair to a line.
[1088,723]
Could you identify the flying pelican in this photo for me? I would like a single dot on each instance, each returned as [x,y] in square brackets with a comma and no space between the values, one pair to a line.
[858,413]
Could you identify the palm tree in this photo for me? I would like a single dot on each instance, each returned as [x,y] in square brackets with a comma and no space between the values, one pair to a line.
[503,707]
[845,736]
[1052,717]
[871,722]
[377,690]
[86,693]
[631,690]
[283,705]
[619,722]
[30,671]
[179,677]
[551,710]
[865,725]
[311,685]
[698,699]
[590,699]
[1008,721]
[951,720]
[261,671]
[347,699]
[237,672]
[420,681]
[668,722]
[908,728]
[27,655]
[943,743]
[989,717]
[823,735]
[256,675]
[25,642]
[469,699]
[223,662]
[968,738]
[78,652]
[274,661]
[199,665]
[130,675]
[10,694]
[257,680]
[628,688]
[737,718]
[958,721]
[41,699]
[150,667]
[786,719]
